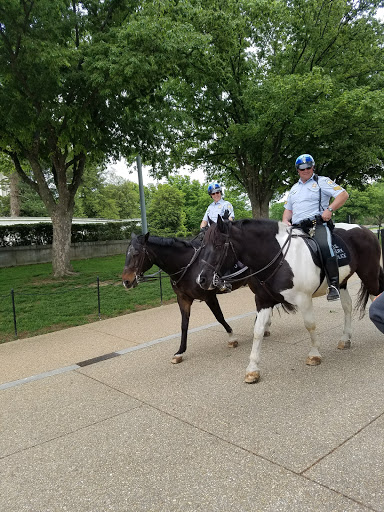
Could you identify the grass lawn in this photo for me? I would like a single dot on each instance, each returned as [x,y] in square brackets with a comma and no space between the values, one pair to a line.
[44,303]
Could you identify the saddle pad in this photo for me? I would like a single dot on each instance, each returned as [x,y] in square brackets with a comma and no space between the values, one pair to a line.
[341,250]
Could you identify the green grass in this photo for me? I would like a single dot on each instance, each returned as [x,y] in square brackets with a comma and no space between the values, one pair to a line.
[44,303]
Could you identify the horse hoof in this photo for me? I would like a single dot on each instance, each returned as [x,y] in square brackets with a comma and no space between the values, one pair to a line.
[177,359]
[267,334]
[313,360]
[344,344]
[252,377]
[233,344]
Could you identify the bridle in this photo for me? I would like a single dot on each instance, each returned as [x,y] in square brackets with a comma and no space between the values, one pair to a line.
[141,278]
[216,279]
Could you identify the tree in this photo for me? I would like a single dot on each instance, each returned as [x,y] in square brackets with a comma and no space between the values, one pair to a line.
[274,80]
[74,76]
[276,211]
[364,206]
[126,196]
[196,200]
[166,216]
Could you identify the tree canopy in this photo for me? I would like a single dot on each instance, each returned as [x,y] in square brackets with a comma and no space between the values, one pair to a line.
[275,79]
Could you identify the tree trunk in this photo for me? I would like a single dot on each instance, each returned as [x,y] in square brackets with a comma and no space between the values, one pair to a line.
[59,205]
[61,261]
[259,203]
[14,195]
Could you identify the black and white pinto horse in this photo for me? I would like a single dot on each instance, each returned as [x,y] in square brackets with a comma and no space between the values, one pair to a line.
[180,260]
[285,272]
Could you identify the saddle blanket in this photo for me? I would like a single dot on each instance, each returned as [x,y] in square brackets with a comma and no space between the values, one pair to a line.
[339,247]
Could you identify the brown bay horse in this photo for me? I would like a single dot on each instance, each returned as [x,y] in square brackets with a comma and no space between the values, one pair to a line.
[180,260]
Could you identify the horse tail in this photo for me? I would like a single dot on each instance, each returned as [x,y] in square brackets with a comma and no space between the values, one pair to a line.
[363,294]
[288,307]
[362,299]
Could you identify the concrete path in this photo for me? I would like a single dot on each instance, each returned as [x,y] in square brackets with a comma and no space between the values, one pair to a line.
[135,433]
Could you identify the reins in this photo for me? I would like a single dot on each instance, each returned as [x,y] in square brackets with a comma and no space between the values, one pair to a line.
[142,279]
[230,278]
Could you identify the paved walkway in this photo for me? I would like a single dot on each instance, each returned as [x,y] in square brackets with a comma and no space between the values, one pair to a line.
[136,433]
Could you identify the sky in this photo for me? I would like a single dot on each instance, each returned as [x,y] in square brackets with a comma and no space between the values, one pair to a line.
[122,169]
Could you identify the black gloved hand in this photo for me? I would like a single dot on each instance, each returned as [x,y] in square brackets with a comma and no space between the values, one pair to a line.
[225,216]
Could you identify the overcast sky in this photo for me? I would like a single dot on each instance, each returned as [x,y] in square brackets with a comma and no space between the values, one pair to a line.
[122,169]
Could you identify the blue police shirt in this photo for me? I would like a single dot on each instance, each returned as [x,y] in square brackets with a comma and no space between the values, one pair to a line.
[216,209]
[303,198]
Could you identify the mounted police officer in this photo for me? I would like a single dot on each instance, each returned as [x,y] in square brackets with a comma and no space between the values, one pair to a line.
[308,205]
[218,206]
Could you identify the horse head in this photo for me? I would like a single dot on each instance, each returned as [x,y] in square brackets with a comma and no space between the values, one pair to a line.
[137,260]
[218,255]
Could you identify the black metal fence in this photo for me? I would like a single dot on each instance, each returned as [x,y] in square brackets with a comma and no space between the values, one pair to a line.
[13,294]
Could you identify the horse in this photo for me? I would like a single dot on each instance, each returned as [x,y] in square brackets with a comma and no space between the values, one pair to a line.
[180,260]
[287,272]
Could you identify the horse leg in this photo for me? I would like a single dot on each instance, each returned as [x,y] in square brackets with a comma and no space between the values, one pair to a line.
[346,303]
[306,310]
[214,306]
[253,371]
[185,310]
[267,331]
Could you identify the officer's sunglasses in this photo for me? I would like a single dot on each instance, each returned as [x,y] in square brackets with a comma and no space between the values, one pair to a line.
[306,169]
[214,193]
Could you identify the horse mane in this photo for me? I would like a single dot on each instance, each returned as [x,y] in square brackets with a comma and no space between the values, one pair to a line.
[245,222]
[169,241]
[211,233]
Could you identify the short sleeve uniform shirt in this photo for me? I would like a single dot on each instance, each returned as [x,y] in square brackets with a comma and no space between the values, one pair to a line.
[303,198]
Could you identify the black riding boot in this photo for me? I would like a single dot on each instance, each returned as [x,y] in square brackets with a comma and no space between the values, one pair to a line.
[332,272]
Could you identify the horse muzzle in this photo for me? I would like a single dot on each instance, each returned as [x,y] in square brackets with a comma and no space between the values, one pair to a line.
[130,280]
[204,283]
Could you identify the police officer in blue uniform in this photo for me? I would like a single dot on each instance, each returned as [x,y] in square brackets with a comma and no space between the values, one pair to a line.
[308,203]
[218,206]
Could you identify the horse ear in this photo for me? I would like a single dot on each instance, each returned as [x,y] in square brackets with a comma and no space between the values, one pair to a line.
[220,223]
[210,221]
[146,236]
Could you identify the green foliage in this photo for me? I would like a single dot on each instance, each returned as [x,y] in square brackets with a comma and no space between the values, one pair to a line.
[196,200]
[166,216]
[363,206]
[44,304]
[276,211]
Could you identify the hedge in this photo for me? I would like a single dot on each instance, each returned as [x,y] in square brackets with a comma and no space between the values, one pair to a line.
[42,233]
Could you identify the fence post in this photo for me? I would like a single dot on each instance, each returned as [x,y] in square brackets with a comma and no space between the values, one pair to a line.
[98,296]
[14,311]
[161,290]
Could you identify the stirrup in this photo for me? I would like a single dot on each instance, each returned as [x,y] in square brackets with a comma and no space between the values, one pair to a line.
[333,293]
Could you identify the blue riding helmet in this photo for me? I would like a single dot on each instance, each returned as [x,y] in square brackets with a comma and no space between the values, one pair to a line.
[214,187]
[304,161]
